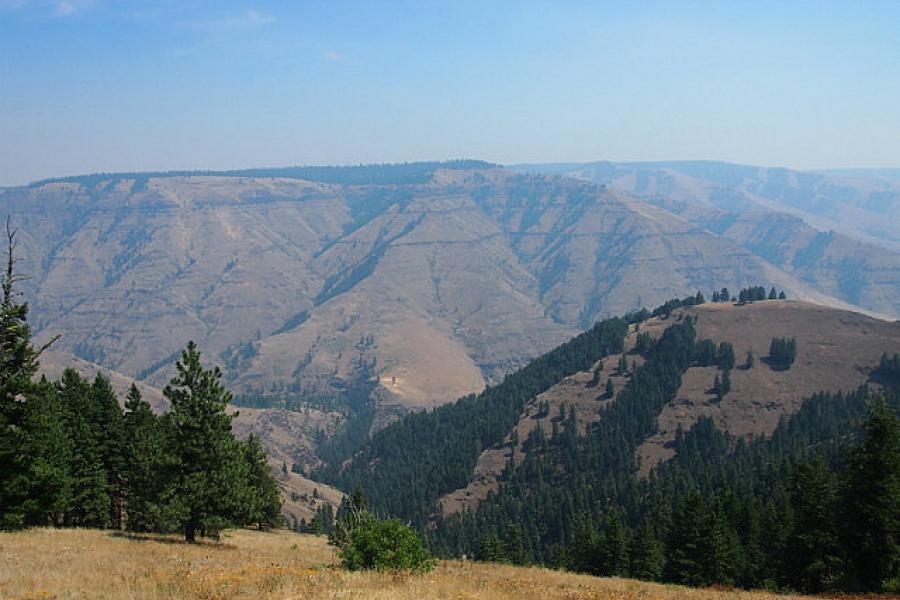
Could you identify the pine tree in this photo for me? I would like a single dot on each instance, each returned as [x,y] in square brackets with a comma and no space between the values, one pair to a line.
[721,554]
[688,543]
[613,547]
[18,358]
[514,545]
[490,549]
[812,561]
[584,554]
[91,500]
[263,501]
[871,501]
[725,356]
[782,352]
[647,557]
[148,465]
[718,388]
[41,476]
[207,484]
[773,294]
[109,426]
[18,364]
[610,390]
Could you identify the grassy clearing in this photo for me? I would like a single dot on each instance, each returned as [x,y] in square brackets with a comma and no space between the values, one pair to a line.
[61,564]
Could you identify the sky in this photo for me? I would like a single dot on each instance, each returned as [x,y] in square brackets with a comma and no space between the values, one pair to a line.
[99,86]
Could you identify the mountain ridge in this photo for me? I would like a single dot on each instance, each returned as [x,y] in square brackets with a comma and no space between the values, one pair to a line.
[417,293]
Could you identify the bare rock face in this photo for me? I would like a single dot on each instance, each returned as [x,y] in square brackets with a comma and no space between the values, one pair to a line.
[421,289]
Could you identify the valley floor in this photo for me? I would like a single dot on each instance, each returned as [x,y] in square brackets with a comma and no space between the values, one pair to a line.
[62,564]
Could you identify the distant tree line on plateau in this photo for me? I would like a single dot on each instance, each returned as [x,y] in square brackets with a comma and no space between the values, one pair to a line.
[754,293]
[71,456]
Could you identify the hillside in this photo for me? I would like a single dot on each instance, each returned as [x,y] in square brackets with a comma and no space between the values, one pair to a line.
[836,232]
[400,286]
[63,564]
[837,350]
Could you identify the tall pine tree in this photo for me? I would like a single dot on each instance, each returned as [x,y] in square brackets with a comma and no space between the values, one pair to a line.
[871,501]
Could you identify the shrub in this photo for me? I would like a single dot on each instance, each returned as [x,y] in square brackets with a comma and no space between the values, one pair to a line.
[385,545]
[366,542]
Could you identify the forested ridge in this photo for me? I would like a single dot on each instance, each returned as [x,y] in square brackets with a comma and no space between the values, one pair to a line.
[407,466]
[786,512]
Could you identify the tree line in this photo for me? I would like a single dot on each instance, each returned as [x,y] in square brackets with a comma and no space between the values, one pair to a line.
[70,456]
[753,293]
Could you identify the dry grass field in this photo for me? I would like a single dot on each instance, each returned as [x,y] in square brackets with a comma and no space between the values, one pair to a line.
[66,564]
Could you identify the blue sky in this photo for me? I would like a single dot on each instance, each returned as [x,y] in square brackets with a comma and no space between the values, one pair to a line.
[94,85]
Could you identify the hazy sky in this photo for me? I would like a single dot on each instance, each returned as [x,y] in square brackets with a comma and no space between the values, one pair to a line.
[99,85]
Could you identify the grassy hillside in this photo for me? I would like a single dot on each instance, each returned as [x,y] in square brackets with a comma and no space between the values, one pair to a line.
[838,350]
[65,563]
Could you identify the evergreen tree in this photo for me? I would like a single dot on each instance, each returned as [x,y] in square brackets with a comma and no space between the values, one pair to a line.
[725,356]
[613,547]
[18,358]
[871,501]
[109,427]
[748,362]
[610,390]
[647,557]
[773,294]
[91,501]
[490,549]
[514,545]
[812,561]
[722,552]
[584,550]
[782,352]
[207,481]
[18,364]
[726,381]
[719,388]
[263,501]
[41,476]
[148,465]
[687,547]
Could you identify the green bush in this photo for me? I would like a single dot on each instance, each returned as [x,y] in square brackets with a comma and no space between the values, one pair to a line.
[367,542]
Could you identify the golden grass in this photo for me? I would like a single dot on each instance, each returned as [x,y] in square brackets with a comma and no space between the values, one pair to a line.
[46,564]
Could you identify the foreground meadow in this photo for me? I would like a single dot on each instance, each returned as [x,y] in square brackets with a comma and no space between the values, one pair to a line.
[60,564]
